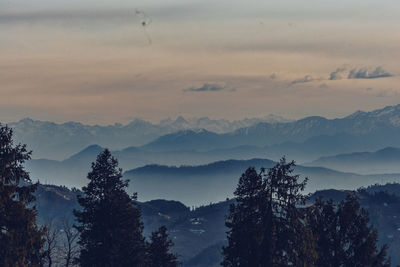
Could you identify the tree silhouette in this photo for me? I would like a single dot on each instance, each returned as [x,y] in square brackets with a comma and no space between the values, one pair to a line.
[50,244]
[110,223]
[159,250]
[69,248]
[20,239]
[344,236]
[288,232]
[265,225]
[245,222]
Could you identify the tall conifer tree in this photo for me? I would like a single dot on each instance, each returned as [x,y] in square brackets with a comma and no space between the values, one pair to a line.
[265,226]
[20,239]
[110,223]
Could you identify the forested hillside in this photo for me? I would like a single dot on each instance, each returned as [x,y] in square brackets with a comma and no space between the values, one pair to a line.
[199,232]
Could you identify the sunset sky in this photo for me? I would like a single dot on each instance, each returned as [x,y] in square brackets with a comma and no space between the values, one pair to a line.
[94,61]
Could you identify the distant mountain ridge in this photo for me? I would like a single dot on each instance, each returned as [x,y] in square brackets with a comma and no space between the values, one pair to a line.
[360,131]
[73,170]
[190,183]
[384,160]
[366,131]
[374,130]
[216,181]
[58,141]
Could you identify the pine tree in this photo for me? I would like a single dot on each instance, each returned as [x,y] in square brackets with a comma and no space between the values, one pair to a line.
[20,239]
[159,250]
[245,222]
[290,234]
[110,223]
[345,237]
[265,225]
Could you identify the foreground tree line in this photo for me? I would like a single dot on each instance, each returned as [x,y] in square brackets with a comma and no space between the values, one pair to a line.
[271,225]
[268,225]
[108,228]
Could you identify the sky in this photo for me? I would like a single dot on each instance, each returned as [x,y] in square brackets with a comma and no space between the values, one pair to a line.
[95,62]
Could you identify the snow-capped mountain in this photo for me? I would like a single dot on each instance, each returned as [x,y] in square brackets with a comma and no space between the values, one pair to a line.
[361,131]
[58,141]
[217,126]
[317,136]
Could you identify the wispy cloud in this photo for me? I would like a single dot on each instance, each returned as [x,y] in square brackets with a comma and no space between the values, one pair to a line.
[338,73]
[209,87]
[305,79]
[366,73]
[347,72]
[359,73]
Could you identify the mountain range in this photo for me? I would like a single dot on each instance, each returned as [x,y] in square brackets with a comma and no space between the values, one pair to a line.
[59,141]
[190,163]
[199,185]
[192,185]
[304,139]
[72,171]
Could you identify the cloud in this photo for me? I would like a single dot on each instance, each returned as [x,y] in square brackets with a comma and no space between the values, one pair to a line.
[348,73]
[337,74]
[209,87]
[359,73]
[366,73]
[305,79]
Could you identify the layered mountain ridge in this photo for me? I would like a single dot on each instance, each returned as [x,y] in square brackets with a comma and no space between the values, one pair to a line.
[59,141]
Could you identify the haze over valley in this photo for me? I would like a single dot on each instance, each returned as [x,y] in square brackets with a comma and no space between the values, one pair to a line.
[343,153]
